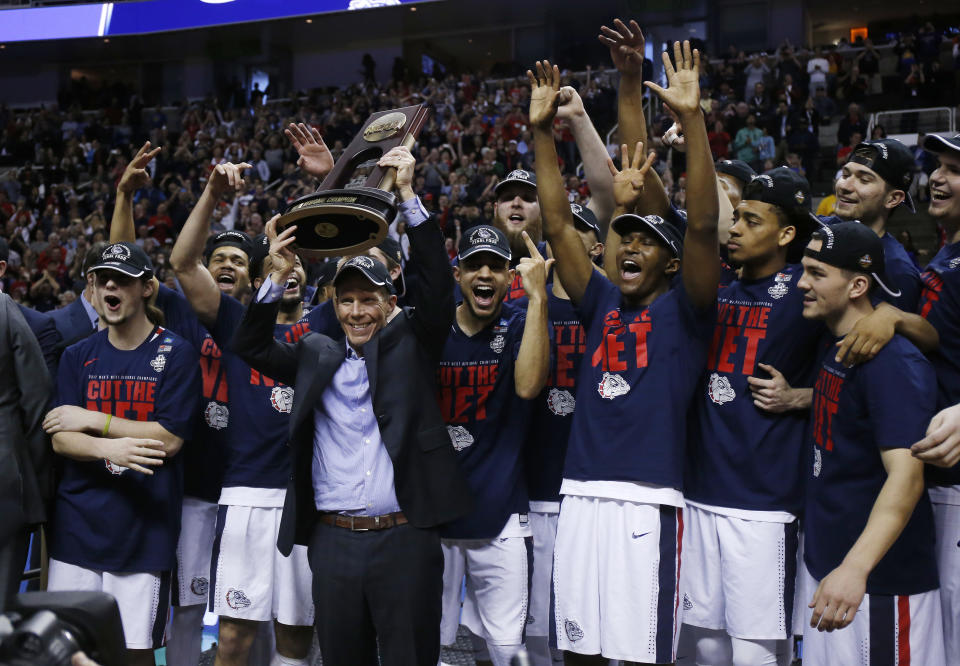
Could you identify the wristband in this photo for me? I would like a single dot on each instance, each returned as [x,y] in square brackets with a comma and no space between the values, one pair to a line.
[106,426]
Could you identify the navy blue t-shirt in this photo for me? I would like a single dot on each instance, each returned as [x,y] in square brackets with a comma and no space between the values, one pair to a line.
[940,305]
[741,456]
[637,378]
[885,403]
[553,413]
[902,274]
[256,454]
[107,517]
[204,450]
[487,421]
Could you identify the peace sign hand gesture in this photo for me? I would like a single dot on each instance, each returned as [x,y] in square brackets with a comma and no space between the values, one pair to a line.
[683,93]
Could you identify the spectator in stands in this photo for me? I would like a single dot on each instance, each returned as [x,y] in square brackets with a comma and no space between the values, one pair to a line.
[843,152]
[817,68]
[852,122]
[756,72]
[746,142]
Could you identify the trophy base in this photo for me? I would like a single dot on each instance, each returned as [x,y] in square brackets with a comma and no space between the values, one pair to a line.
[340,222]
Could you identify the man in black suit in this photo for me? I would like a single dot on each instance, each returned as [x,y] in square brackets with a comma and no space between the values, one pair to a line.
[374,469]
[24,450]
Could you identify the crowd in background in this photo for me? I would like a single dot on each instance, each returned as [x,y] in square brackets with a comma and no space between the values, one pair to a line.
[59,165]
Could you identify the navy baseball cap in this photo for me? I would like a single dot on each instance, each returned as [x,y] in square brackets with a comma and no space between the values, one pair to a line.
[517,176]
[328,271]
[391,247]
[852,246]
[371,269]
[127,258]
[889,159]
[934,143]
[780,187]
[483,238]
[261,248]
[584,218]
[736,168]
[667,233]
[232,238]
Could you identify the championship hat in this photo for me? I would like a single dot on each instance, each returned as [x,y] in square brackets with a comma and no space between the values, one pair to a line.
[483,238]
[852,246]
[371,269]
[127,258]
[665,231]
[889,159]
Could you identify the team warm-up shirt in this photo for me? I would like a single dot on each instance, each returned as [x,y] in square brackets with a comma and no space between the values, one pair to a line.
[203,452]
[256,453]
[940,305]
[636,381]
[741,456]
[885,403]
[108,517]
[487,421]
[553,412]
[902,274]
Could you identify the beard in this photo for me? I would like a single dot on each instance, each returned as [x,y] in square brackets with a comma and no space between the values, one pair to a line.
[518,247]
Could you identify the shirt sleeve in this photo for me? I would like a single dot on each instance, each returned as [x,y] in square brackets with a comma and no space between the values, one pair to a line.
[413,212]
[181,386]
[69,391]
[269,292]
[901,393]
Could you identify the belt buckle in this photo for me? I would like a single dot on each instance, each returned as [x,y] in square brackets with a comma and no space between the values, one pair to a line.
[353,528]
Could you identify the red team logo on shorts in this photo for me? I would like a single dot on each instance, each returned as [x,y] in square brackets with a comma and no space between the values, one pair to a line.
[281,397]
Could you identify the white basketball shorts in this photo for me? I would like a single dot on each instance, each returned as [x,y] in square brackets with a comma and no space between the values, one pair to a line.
[616,579]
[249,578]
[191,577]
[739,575]
[143,598]
[886,631]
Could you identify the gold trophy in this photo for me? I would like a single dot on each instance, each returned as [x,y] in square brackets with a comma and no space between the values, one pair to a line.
[354,205]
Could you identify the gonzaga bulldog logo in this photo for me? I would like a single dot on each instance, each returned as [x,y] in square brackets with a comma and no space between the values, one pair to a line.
[237,599]
[612,386]
[114,468]
[281,398]
[216,415]
[460,437]
[719,389]
[561,402]
[573,630]
[199,586]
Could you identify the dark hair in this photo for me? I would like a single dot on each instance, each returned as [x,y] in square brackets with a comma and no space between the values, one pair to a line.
[92,256]
[803,223]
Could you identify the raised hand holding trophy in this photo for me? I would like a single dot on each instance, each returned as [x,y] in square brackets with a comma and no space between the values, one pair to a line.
[354,205]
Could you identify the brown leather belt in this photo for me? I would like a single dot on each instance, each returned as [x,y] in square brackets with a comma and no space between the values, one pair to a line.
[363,523]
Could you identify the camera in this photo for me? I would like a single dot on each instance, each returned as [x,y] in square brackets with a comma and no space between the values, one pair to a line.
[48,628]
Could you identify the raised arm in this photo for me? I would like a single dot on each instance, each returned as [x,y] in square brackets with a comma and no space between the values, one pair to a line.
[573,264]
[594,154]
[533,360]
[134,177]
[701,260]
[187,257]
[315,158]
[626,44]
[254,341]
[628,185]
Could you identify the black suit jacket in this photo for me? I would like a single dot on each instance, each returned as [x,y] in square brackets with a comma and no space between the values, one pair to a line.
[25,452]
[402,361]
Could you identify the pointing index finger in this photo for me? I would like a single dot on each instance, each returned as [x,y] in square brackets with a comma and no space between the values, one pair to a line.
[531,246]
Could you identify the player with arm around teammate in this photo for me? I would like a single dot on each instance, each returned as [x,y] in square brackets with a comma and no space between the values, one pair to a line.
[616,560]
[119,425]
[870,570]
